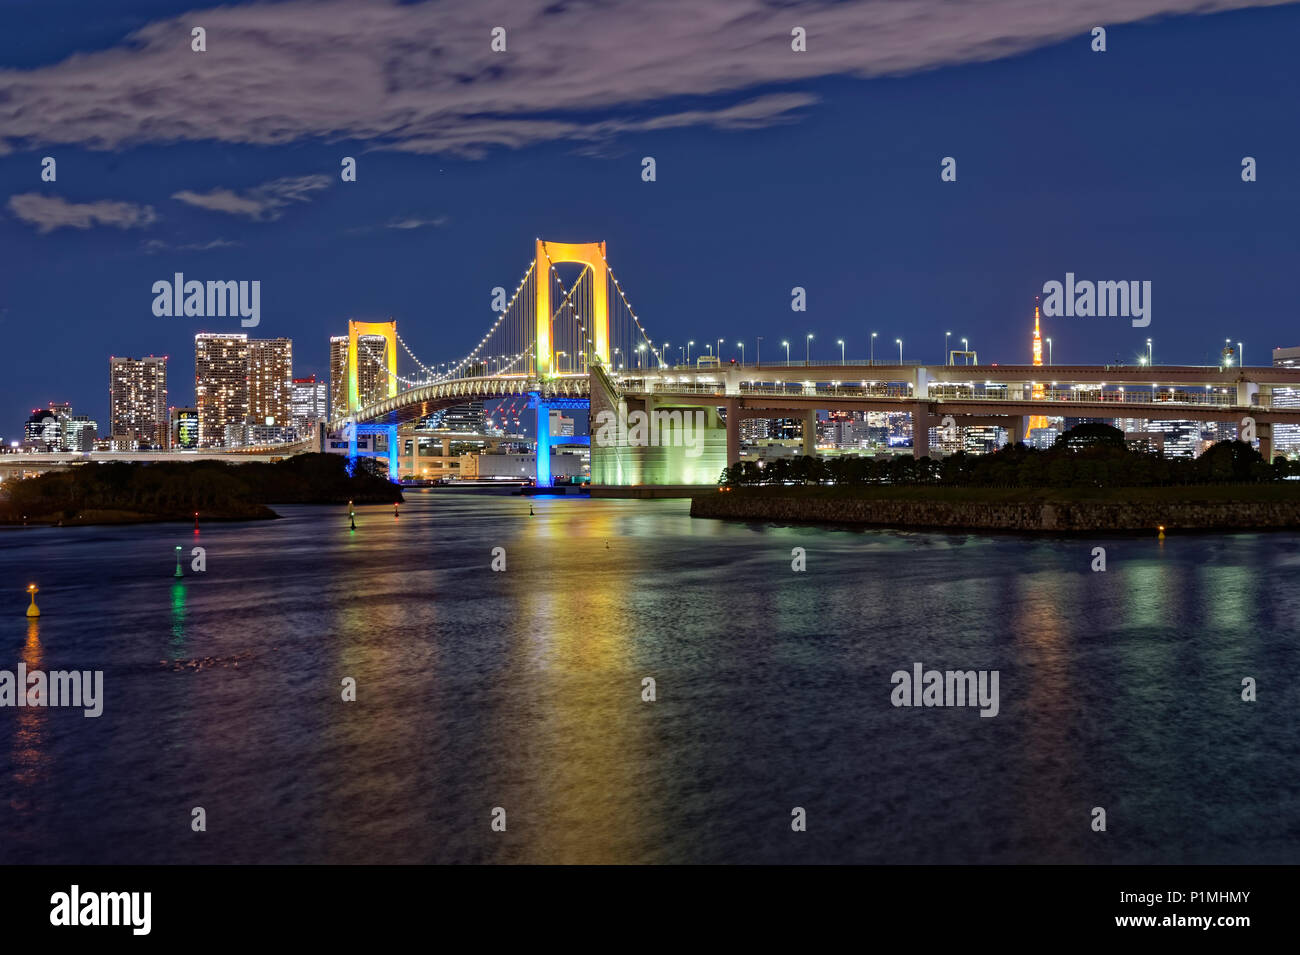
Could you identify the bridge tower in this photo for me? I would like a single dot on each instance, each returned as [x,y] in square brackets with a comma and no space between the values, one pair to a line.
[389,332]
[592,256]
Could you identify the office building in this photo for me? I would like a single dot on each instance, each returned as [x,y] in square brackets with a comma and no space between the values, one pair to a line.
[43,431]
[184,428]
[1286,437]
[467,418]
[310,403]
[1181,438]
[80,433]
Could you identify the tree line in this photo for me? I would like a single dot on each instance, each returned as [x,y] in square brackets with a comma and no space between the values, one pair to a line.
[179,489]
[1076,460]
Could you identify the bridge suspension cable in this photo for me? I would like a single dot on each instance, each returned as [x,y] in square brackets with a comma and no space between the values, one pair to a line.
[511,341]
[510,344]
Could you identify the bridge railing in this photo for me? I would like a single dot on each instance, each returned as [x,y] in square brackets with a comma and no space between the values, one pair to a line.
[792,363]
[940,392]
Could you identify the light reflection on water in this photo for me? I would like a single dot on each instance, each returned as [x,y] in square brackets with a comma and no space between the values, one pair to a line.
[522,690]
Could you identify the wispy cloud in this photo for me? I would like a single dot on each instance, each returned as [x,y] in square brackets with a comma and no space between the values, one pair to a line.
[158,245]
[261,203]
[48,213]
[413,222]
[422,76]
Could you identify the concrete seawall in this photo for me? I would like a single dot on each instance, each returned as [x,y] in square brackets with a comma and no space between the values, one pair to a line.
[1060,517]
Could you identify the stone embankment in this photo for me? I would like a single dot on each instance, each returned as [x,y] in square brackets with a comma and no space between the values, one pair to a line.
[1065,517]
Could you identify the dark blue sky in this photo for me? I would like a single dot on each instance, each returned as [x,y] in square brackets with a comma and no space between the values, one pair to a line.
[1122,165]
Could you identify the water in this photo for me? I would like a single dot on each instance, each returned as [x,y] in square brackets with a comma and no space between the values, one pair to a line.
[523,690]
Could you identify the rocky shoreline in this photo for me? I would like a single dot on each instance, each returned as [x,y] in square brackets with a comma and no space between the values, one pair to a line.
[1047,516]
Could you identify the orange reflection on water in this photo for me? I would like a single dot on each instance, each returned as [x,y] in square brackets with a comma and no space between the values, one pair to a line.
[574,652]
[1044,699]
[30,758]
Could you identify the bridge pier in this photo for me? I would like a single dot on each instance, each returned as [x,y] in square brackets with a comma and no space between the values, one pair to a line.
[920,430]
[733,433]
[1015,429]
[810,432]
[544,478]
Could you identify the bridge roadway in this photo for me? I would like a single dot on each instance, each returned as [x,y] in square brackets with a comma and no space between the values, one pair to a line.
[1252,385]
[998,395]
[973,394]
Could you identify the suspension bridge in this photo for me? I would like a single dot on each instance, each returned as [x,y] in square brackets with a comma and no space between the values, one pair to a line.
[583,346]
[547,344]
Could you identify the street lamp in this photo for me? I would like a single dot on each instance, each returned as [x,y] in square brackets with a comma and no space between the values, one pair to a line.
[617,366]
[965,347]
[873,348]
[807,350]
[663,350]
[1049,351]
[719,349]
[1241,356]
[900,350]
[1151,358]
[741,346]
[640,354]
[688,352]
[947,356]
[840,342]
[758,355]
[787,351]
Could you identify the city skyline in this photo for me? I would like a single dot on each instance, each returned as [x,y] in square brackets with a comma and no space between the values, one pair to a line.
[425,233]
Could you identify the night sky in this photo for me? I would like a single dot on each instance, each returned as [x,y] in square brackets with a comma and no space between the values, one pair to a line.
[775,169]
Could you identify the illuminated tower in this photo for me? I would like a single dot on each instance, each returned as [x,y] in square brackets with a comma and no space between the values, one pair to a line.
[1039,392]
[1038,339]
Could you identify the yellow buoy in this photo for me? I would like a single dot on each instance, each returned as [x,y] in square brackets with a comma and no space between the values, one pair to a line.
[1161,535]
[33,610]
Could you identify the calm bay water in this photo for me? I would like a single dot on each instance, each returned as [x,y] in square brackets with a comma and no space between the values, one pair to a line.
[522,690]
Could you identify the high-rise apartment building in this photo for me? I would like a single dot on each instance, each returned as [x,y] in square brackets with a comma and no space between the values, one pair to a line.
[270,381]
[220,385]
[137,416]
[372,371]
